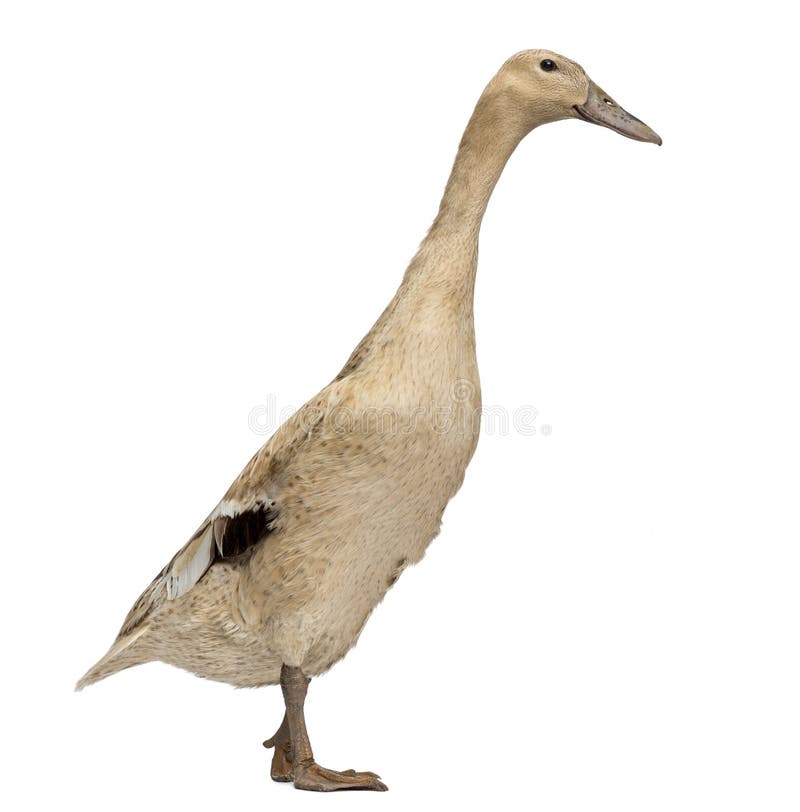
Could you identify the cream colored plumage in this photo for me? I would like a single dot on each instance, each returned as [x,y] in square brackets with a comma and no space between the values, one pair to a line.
[286,569]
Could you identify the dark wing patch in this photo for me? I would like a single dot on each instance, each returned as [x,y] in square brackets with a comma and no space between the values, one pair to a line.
[234,535]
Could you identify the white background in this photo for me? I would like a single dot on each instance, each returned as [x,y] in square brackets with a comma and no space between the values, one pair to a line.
[206,205]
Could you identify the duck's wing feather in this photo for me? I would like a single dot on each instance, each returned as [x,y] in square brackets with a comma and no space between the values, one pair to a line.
[220,536]
[230,530]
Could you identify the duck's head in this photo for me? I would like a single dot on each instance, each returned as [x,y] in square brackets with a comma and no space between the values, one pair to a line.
[550,87]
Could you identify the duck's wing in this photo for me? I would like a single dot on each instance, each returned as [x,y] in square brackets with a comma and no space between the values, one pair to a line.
[247,513]
[232,528]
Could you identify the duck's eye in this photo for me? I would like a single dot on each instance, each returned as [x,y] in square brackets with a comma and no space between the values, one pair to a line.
[547,65]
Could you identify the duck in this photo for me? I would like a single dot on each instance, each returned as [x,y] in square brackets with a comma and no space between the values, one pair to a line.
[277,582]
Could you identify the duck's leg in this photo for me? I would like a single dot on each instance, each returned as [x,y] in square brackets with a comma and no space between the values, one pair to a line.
[281,769]
[307,773]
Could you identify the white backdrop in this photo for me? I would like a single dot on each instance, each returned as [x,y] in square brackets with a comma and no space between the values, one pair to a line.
[206,205]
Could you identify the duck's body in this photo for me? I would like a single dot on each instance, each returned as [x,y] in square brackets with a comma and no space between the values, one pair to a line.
[278,582]
[352,488]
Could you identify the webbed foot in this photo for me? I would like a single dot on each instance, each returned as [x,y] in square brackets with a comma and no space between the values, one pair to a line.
[320,779]
[281,769]
[294,758]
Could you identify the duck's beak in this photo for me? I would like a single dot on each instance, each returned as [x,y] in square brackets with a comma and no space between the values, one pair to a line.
[600,108]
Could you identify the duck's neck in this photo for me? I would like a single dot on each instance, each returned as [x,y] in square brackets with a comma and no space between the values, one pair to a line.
[447,259]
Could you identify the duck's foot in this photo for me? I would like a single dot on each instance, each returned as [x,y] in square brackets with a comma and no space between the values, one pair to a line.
[281,769]
[307,773]
[319,779]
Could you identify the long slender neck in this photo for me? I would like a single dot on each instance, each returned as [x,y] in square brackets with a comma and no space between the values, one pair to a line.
[447,259]
[434,300]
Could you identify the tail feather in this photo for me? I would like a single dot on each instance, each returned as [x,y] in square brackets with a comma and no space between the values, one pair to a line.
[123,654]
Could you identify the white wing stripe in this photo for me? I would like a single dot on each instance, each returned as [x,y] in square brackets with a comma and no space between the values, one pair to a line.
[191,564]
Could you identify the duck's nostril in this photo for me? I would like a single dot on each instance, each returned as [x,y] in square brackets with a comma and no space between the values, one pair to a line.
[609,102]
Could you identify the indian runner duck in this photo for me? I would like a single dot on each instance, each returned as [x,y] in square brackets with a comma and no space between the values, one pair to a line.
[278,581]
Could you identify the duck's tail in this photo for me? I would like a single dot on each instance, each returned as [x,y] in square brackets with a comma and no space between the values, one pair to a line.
[123,654]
